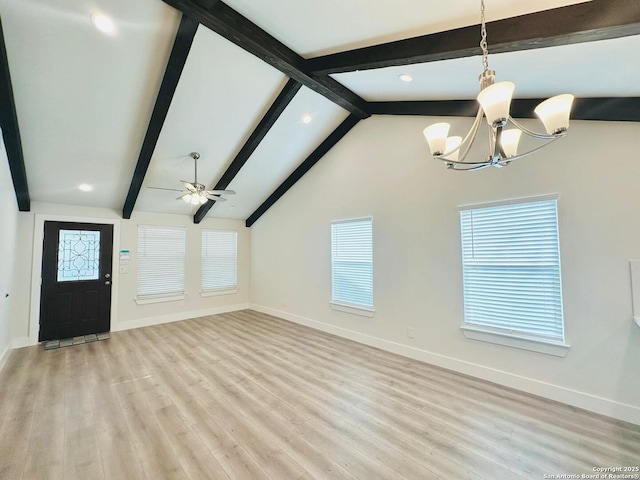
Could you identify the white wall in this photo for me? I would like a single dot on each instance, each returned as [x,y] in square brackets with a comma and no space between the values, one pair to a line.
[382,168]
[8,240]
[127,313]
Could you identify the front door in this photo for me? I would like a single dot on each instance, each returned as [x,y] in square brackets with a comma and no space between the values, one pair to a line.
[75,297]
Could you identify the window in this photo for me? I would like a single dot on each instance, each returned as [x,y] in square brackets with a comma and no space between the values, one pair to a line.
[161,253]
[219,262]
[511,270]
[352,264]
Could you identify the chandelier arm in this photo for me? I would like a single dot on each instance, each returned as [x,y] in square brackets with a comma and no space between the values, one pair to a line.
[472,133]
[531,133]
[477,167]
[458,162]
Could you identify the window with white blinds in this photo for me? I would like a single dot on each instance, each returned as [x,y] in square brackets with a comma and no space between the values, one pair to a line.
[352,263]
[511,269]
[161,252]
[219,261]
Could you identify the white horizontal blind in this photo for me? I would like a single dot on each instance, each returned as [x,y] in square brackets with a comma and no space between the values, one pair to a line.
[161,252]
[352,262]
[219,260]
[511,268]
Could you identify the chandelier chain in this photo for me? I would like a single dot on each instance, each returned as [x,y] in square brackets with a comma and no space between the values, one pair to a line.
[483,41]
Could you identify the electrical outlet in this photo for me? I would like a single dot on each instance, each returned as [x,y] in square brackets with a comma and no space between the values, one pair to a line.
[411,332]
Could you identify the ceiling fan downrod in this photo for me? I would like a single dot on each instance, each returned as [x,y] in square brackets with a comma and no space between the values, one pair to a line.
[195,156]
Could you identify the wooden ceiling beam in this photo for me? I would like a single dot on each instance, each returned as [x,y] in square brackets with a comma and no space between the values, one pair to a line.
[229,24]
[333,138]
[618,109]
[584,22]
[268,120]
[179,52]
[11,131]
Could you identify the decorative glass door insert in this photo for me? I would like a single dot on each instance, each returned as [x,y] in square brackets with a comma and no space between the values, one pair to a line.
[78,255]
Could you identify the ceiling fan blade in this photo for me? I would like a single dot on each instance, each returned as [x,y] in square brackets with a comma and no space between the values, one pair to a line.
[169,189]
[189,186]
[220,192]
[216,198]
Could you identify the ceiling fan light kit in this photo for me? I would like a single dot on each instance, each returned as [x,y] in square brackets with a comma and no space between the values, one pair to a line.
[495,102]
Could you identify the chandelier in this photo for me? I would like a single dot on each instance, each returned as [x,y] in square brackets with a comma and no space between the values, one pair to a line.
[495,101]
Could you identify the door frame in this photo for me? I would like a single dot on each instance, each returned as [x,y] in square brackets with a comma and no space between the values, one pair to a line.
[36,267]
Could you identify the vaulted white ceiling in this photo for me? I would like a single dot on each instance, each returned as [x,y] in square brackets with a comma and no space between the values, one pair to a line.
[84,99]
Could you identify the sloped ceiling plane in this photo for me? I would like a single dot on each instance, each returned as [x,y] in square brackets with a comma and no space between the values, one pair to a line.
[262,90]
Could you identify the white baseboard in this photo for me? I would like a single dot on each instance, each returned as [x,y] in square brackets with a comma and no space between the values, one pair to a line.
[21,342]
[603,406]
[4,356]
[13,344]
[176,317]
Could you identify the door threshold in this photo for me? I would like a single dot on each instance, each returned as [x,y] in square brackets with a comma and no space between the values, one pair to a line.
[69,342]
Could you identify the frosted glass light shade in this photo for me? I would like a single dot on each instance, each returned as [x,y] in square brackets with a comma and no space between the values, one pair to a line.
[436,136]
[187,198]
[202,200]
[509,140]
[496,101]
[195,199]
[554,113]
[452,142]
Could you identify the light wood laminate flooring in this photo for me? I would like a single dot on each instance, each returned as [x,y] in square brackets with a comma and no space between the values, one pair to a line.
[245,395]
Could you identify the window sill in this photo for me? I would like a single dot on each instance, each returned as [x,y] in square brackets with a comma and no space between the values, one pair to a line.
[362,311]
[516,341]
[214,293]
[147,301]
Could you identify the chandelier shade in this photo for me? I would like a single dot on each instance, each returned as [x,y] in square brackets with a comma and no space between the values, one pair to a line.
[554,113]
[494,104]
[509,141]
[436,136]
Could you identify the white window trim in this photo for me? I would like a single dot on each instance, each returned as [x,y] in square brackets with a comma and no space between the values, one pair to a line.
[515,340]
[510,338]
[511,201]
[353,309]
[214,293]
[159,299]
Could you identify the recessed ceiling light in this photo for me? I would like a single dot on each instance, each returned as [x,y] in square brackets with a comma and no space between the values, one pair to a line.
[85,187]
[306,118]
[405,77]
[103,23]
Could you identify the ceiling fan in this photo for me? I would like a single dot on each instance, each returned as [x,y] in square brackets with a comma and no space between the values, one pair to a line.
[196,193]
